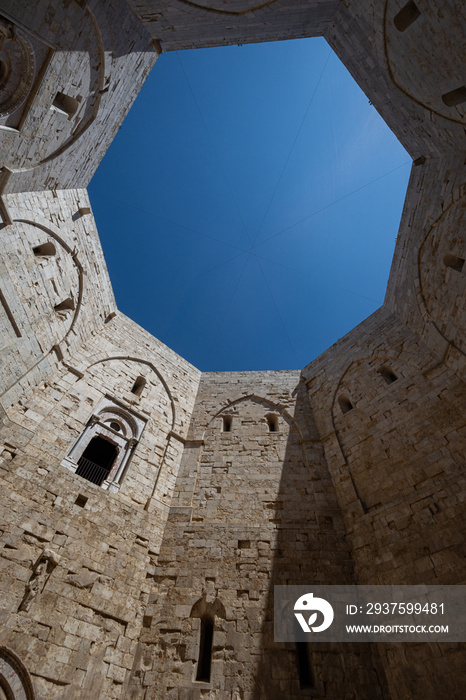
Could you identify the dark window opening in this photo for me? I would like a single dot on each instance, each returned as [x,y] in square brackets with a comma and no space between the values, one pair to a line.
[454,262]
[97,460]
[205,649]
[406,16]
[44,250]
[66,104]
[306,676]
[4,74]
[455,97]
[138,386]
[65,306]
[227,421]
[387,374]
[345,403]
[272,422]
[115,426]
[81,501]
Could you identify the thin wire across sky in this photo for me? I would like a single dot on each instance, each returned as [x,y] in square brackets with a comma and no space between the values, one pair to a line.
[247,229]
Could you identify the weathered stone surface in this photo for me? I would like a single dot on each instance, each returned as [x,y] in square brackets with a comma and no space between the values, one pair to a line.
[349,471]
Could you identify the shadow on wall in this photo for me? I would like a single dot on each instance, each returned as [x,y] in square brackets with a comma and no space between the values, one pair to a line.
[311,549]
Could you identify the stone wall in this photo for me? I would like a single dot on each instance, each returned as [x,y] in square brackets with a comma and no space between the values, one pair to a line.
[396,458]
[88,81]
[253,507]
[351,471]
[53,296]
[77,557]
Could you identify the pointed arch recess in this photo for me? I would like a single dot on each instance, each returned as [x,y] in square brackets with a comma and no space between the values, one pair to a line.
[373,358]
[80,270]
[255,397]
[231,13]
[125,358]
[458,197]
[275,406]
[83,127]
[391,74]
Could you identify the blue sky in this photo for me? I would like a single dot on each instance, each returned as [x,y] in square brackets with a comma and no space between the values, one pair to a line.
[249,205]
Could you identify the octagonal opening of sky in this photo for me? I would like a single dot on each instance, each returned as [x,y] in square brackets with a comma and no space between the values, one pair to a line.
[248,207]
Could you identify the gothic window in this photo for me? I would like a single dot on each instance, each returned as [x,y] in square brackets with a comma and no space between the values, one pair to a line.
[103,451]
[207,613]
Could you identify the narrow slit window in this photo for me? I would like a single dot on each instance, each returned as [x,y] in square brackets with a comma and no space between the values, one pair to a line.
[388,375]
[306,676]
[4,73]
[455,97]
[138,386]
[44,250]
[345,403]
[65,104]
[227,422]
[454,262]
[205,649]
[272,422]
[406,16]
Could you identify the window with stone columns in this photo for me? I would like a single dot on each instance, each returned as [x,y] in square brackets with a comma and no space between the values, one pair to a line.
[103,451]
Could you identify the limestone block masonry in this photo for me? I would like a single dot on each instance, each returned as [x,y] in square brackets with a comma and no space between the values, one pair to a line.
[146,508]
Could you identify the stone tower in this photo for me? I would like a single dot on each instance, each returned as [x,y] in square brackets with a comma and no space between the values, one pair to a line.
[147,507]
